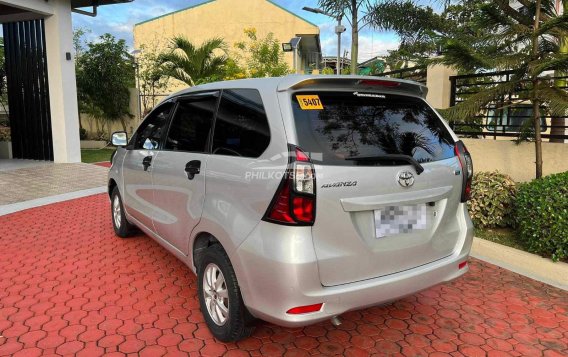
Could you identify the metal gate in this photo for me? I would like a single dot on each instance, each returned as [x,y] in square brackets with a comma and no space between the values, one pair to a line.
[28,92]
[500,118]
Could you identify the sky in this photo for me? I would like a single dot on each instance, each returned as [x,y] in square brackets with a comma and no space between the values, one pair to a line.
[119,20]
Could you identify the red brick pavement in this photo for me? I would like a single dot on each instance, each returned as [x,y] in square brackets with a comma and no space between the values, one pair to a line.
[69,286]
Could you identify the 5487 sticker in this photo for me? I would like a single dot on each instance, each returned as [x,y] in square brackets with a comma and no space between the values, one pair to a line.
[309,102]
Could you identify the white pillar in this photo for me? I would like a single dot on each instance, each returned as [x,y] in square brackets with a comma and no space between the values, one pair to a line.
[62,84]
[439,86]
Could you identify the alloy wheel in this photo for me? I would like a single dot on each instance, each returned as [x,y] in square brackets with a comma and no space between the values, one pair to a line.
[216,294]
[116,212]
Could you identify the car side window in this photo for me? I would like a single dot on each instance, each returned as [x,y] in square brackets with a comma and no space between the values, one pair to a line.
[150,132]
[191,124]
[241,128]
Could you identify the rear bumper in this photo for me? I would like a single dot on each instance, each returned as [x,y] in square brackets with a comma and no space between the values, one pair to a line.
[277,270]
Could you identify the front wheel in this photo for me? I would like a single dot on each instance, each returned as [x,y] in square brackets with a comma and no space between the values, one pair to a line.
[122,227]
[220,297]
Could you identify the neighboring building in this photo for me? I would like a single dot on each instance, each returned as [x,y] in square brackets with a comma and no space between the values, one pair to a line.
[227,19]
[372,66]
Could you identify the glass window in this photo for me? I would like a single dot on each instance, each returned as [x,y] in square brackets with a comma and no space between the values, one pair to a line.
[241,128]
[338,127]
[519,116]
[149,134]
[191,124]
[513,119]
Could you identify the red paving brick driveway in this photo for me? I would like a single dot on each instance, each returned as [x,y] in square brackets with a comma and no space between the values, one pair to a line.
[69,286]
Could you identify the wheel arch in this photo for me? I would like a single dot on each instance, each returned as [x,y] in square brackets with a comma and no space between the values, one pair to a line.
[111,185]
[202,241]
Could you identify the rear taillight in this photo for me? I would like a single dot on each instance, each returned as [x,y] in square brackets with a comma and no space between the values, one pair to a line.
[467,168]
[295,200]
[280,208]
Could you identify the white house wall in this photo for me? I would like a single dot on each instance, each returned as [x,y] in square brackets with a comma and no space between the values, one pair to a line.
[61,74]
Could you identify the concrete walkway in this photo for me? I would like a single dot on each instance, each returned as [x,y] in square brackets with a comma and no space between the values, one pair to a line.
[27,183]
[527,264]
[14,164]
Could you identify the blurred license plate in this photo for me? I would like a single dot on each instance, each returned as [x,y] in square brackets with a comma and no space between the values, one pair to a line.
[393,220]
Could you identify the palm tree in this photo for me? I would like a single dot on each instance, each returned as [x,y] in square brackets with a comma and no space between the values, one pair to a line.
[526,40]
[191,64]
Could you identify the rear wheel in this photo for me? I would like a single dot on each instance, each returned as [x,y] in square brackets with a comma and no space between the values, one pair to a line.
[220,297]
[122,227]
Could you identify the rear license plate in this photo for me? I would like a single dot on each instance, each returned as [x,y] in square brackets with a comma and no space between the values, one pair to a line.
[393,220]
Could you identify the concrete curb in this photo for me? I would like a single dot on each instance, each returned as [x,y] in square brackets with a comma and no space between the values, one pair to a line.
[520,262]
[20,206]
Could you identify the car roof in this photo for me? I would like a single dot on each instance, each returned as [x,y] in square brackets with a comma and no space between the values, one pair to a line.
[295,81]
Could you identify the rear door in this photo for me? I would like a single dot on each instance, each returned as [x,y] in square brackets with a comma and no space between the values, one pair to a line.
[179,170]
[378,214]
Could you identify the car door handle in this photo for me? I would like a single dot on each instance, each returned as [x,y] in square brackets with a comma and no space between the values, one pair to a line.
[193,168]
[147,162]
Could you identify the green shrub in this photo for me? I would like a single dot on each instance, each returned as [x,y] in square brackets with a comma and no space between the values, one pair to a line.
[542,216]
[328,70]
[492,200]
[82,134]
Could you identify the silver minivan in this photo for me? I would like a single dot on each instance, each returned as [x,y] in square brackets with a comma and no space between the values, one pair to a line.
[299,198]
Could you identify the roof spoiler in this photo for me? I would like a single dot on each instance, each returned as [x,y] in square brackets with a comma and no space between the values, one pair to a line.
[368,83]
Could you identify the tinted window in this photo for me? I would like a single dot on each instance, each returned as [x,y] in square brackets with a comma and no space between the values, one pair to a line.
[345,125]
[241,128]
[191,124]
[149,134]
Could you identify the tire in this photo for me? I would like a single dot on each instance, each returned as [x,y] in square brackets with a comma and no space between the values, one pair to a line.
[223,309]
[122,227]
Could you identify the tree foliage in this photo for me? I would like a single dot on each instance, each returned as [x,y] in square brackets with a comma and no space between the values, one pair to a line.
[105,73]
[3,89]
[262,56]
[151,79]
[4,129]
[496,36]
[193,64]
[524,40]
[422,34]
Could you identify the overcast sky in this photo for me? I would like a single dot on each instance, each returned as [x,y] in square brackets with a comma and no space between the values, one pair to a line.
[120,19]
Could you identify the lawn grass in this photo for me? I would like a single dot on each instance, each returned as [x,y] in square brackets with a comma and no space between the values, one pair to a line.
[505,236]
[96,155]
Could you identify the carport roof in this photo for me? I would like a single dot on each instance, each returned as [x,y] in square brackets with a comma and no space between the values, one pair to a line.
[86,3]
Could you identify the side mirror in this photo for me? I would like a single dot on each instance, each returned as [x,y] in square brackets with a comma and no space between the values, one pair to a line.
[119,138]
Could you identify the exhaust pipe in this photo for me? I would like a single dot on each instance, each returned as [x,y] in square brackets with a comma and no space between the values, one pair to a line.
[335,321]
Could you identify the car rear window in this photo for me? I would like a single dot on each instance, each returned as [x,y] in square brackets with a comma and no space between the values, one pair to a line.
[335,127]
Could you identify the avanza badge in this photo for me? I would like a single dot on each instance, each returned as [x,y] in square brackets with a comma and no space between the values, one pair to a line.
[309,102]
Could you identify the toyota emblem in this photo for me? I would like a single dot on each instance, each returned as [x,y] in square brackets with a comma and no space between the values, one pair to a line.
[405,178]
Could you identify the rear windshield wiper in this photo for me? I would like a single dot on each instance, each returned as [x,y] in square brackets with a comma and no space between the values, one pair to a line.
[389,157]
